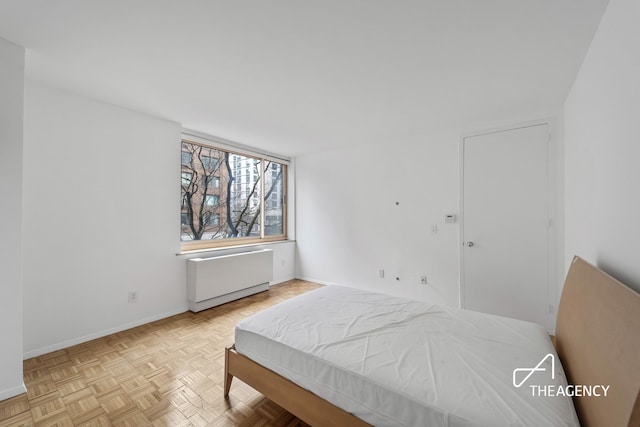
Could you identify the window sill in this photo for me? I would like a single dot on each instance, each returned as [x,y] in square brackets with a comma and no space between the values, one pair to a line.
[226,248]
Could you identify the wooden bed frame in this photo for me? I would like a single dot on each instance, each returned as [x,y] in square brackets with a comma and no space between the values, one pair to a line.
[597,340]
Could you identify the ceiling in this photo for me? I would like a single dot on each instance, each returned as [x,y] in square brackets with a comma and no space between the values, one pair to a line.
[299,76]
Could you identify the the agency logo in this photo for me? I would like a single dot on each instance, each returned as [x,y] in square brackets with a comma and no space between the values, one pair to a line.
[537,368]
[555,389]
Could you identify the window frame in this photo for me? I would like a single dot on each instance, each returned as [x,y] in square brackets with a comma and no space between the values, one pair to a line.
[233,148]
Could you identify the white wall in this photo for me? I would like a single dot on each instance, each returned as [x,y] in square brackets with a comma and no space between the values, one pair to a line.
[11,116]
[603,148]
[349,226]
[101,218]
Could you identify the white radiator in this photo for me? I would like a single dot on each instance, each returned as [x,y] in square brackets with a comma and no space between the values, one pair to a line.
[217,280]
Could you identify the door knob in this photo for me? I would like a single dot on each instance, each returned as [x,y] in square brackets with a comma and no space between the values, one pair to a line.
[469,244]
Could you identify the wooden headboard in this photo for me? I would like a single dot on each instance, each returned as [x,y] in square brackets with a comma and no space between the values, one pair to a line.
[598,342]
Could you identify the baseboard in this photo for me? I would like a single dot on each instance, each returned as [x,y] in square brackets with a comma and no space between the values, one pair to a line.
[278,281]
[12,392]
[318,281]
[68,343]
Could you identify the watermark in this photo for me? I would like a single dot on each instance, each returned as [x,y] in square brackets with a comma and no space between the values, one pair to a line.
[535,369]
[552,390]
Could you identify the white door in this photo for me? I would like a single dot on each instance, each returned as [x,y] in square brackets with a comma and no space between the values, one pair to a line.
[505,223]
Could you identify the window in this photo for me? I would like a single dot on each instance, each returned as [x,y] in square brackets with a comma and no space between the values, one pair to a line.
[274,188]
[211,200]
[210,181]
[220,207]
[186,179]
[210,163]
[186,158]
[213,218]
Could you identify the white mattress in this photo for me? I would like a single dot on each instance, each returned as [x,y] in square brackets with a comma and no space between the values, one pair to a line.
[398,362]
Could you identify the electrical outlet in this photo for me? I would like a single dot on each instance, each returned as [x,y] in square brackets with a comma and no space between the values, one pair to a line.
[133,296]
[423,280]
[381,273]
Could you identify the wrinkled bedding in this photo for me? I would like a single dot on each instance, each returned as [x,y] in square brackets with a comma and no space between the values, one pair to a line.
[398,362]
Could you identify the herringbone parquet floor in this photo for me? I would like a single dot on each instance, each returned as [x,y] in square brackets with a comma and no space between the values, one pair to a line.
[165,373]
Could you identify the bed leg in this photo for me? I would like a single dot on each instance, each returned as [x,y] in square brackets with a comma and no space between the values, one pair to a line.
[227,376]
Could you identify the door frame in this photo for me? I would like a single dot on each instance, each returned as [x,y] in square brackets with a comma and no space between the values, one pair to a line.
[554,212]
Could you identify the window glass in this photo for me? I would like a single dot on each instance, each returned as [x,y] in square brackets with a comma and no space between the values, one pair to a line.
[210,163]
[274,192]
[186,178]
[186,157]
[224,199]
[211,200]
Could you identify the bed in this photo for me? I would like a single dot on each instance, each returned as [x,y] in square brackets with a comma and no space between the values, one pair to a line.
[341,356]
